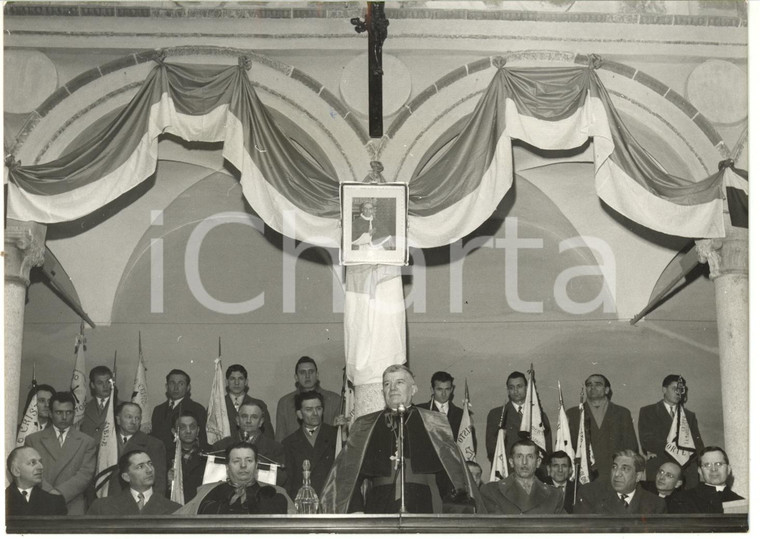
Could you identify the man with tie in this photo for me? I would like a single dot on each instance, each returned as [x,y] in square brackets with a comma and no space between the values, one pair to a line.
[24,496]
[521,493]
[713,491]
[68,455]
[130,438]
[140,499]
[559,468]
[96,409]
[237,394]
[249,421]
[655,421]
[609,427]
[442,391]
[178,400]
[314,441]
[509,416]
[620,494]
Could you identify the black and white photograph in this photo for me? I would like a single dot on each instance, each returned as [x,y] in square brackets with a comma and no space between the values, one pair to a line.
[390,267]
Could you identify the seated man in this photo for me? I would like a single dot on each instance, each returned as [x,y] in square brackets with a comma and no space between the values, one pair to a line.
[559,468]
[435,470]
[668,482]
[521,493]
[240,494]
[136,470]
[24,496]
[193,463]
[619,495]
[709,495]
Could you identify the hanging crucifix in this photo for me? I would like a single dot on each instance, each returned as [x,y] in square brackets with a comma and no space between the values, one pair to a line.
[376,26]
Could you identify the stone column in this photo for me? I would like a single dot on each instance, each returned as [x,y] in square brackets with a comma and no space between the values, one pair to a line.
[24,249]
[729,270]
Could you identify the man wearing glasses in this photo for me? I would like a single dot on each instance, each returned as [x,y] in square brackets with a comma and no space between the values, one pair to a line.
[68,455]
[713,491]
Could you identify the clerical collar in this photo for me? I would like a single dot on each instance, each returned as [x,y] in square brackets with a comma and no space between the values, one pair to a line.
[718,488]
[559,484]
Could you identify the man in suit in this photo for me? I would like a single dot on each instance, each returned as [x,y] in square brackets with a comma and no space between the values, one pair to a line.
[620,494]
[668,482]
[442,391]
[307,379]
[314,441]
[521,493]
[96,409]
[178,400]
[509,416]
[713,491]
[655,421]
[140,499]
[249,421]
[130,438]
[24,496]
[609,427]
[193,463]
[559,468]
[68,455]
[237,394]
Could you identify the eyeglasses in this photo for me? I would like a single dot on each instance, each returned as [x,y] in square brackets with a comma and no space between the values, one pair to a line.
[666,474]
[713,465]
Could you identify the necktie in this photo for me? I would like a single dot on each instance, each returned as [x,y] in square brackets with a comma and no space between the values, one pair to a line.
[25,494]
[102,404]
[124,439]
[236,403]
[60,438]
[311,431]
[519,410]
[171,405]
[624,499]
[672,412]
[140,501]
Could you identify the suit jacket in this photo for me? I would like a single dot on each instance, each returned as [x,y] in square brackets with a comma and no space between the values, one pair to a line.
[321,457]
[122,504]
[615,433]
[702,499]
[512,422]
[507,497]
[93,419]
[155,450]
[266,429]
[40,503]
[569,492]
[163,420]
[287,421]
[598,497]
[454,415]
[654,427]
[269,451]
[68,469]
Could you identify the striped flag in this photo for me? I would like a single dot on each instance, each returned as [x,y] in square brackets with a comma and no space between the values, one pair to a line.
[140,388]
[465,436]
[532,425]
[737,195]
[108,451]
[177,491]
[584,450]
[680,443]
[564,440]
[217,424]
[499,467]
[78,378]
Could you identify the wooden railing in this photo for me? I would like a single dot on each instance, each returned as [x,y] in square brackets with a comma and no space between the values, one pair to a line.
[381,524]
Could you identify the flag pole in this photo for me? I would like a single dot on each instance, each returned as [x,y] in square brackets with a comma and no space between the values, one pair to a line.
[220,346]
[114,364]
[532,396]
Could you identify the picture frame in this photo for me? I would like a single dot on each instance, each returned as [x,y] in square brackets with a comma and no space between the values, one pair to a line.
[374,223]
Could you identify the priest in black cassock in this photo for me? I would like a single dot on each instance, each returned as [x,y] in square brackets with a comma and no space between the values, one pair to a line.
[437,478]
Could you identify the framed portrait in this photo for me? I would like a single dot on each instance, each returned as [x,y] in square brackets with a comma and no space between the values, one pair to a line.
[373,220]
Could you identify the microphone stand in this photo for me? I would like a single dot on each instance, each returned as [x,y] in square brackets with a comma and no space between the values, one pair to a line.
[401,410]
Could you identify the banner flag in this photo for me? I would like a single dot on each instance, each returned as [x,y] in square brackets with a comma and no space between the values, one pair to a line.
[499,468]
[140,389]
[30,424]
[108,451]
[465,436]
[680,443]
[584,450]
[532,426]
[217,424]
[564,439]
[79,383]
[177,491]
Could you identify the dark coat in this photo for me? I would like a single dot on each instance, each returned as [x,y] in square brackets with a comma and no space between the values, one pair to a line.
[164,419]
[702,499]
[68,469]
[40,503]
[266,429]
[650,486]
[321,457]
[454,415]
[260,500]
[507,497]
[569,492]
[93,419]
[123,504]
[269,451]
[512,422]
[598,497]
[287,420]
[615,433]
[654,427]
[155,450]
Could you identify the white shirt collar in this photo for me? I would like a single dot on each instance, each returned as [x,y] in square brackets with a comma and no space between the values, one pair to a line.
[718,488]
[629,494]
[146,495]
[59,432]
[441,407]
[518,406]
[176,401]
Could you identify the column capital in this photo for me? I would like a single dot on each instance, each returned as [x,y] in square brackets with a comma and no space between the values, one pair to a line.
[24,249]
[726,256]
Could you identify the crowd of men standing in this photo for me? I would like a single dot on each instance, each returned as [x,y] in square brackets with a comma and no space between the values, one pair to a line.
[53,473]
